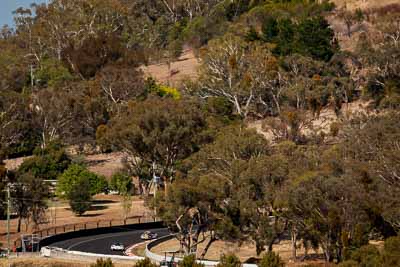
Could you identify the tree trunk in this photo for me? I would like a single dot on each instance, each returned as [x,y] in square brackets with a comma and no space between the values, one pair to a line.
[203,254]
[19,224]
[165,185]
[294,241]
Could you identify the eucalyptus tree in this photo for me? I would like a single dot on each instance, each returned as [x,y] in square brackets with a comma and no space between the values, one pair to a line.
[157,134]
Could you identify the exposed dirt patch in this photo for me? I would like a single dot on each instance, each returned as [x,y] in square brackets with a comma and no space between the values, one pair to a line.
[105,164]
[323,122]
[185,67]
[363,4]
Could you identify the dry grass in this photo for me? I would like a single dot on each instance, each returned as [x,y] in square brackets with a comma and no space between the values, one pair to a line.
[244,252]
[105,164]
[139,250]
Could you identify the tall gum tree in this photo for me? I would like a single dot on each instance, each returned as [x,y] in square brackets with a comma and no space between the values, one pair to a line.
[157,134]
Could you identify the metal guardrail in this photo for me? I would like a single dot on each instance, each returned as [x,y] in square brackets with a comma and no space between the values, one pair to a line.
[63,253]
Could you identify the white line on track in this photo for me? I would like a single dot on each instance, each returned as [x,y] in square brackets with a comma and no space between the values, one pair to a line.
[99,238]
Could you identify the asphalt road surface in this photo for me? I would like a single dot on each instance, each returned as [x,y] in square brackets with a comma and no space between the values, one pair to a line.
[100,244]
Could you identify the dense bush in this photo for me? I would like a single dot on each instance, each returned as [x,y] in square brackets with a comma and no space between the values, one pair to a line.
[145,263]
[370,256]
[310,37]
[391,252]
[229,260]
[80,198]
[121,182]
[367,256]
[103,263]
[271,259]
[189,261]
[349,263]
[47,164]
[76,173]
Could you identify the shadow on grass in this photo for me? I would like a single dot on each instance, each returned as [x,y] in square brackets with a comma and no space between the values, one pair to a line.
[103,201]
[90,215]
[96,208]
[92,208]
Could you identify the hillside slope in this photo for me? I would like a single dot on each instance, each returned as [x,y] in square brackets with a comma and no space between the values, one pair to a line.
[363,4]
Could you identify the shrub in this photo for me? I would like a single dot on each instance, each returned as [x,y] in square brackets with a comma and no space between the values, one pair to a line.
[121,182]
[47,164]
[367,256]
[76,173]
[103,263]
[229,260]
[349,263]
[145,263]
[98,184]
[391,252]
[271,259]
[80,198]
[190,261]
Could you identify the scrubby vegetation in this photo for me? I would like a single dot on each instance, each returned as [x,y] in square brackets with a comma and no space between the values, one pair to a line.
[70,75]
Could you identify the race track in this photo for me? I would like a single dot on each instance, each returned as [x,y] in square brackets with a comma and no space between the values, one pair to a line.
[100,244]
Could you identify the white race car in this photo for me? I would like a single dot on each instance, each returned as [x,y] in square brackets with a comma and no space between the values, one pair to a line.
[117,247]
[147,235]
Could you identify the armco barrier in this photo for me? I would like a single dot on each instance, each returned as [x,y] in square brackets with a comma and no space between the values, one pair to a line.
[62,253]
[158,258]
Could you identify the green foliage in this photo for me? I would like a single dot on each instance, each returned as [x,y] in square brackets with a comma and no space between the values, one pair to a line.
[103,263]
[359,15]
[275,60]
[121,182]
[46,164]
[252,35]
[391,255]
[160,132]
[229,260]
[166,91]
[270,29]
[101,138]
[174,50]
[316,38]
[219,106]
[145,263]
[189,261]
[29,198]
[18,135]
[202,29]
[310,37]
[349,263]
[77,173]
[367,256]
[271,259]
[51,73]
[161,90]
[370,256]
[80,197]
